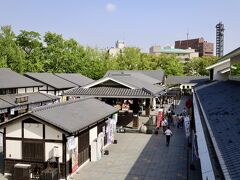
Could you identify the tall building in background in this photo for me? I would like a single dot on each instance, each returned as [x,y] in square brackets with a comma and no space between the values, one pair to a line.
[203,47]
[154,49]
[219,39]
[183,54]
[119,47]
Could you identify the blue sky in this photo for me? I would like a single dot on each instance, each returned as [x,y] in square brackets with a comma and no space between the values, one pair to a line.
[99,23]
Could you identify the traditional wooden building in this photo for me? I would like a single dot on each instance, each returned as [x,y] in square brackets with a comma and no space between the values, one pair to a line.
[18,94]
[57,136]
[56,83]
[120,86]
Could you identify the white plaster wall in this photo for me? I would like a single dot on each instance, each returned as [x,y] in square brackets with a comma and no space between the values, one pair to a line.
[51,92]
[51,88]
[35,89]
[14,130]
[92,134]
[44,91]
[51,133]
[21,90]
[43,87]
[13,149]
[217,75]
[67,154]
[33,130]
[29,90]
[48,150]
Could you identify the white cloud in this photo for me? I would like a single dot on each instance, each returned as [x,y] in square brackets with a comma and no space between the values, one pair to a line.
[110,7]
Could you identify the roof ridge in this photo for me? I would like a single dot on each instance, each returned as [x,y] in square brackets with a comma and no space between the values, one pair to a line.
[65,78]
[50,106]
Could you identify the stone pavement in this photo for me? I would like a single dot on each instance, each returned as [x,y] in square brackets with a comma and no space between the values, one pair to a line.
[141,156]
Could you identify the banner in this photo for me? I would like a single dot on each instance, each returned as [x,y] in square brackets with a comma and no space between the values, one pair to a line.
[71,143]
[160,116]
[74,160]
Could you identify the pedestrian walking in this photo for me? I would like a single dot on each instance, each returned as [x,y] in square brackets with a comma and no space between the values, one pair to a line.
[174,119]
[164,125]
[168,134]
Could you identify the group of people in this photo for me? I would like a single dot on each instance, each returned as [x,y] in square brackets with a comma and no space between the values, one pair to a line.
[171,119]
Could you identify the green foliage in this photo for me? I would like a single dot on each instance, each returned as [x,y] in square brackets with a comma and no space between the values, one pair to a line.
[11,54]
[235,70]
[197,66]
[30,52]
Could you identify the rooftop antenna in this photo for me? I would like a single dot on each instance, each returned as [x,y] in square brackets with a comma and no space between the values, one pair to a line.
[187,38]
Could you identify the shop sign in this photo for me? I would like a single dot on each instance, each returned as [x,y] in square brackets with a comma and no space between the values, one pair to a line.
[12,111]
[71,143]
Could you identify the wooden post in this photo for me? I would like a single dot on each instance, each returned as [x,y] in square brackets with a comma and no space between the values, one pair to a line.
[135,113]
[147,108]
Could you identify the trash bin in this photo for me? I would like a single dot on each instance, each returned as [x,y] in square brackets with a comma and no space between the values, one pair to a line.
[22,171]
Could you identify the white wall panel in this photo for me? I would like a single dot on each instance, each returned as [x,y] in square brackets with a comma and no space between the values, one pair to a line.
[21,90]
[14,130]
[51,133]
[33,130]
[13,149]
[48,150]
[92,134]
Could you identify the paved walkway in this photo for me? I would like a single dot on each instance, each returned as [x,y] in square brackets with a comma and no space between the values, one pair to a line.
[141,156]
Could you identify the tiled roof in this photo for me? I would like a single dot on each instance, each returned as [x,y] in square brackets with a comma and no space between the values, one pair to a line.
[73,116]
[34,97]
[51,80]
[75,78]
[186,79]
[4,104]
[221,103]
[108,92]
[151,76]
[231,54]
[139,83]
[11,79]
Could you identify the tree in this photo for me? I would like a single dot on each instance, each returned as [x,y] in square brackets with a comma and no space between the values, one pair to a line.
[11,54]
[197,66]
[30,43]
[129,59]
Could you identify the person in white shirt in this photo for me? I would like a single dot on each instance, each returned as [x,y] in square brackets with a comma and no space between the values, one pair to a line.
[164,125]
[168,134]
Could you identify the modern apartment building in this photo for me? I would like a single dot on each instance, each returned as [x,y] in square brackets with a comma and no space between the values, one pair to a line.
[183,54]
[199,44]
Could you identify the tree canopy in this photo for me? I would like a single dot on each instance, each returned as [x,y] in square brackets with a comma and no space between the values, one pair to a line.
[30,52]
